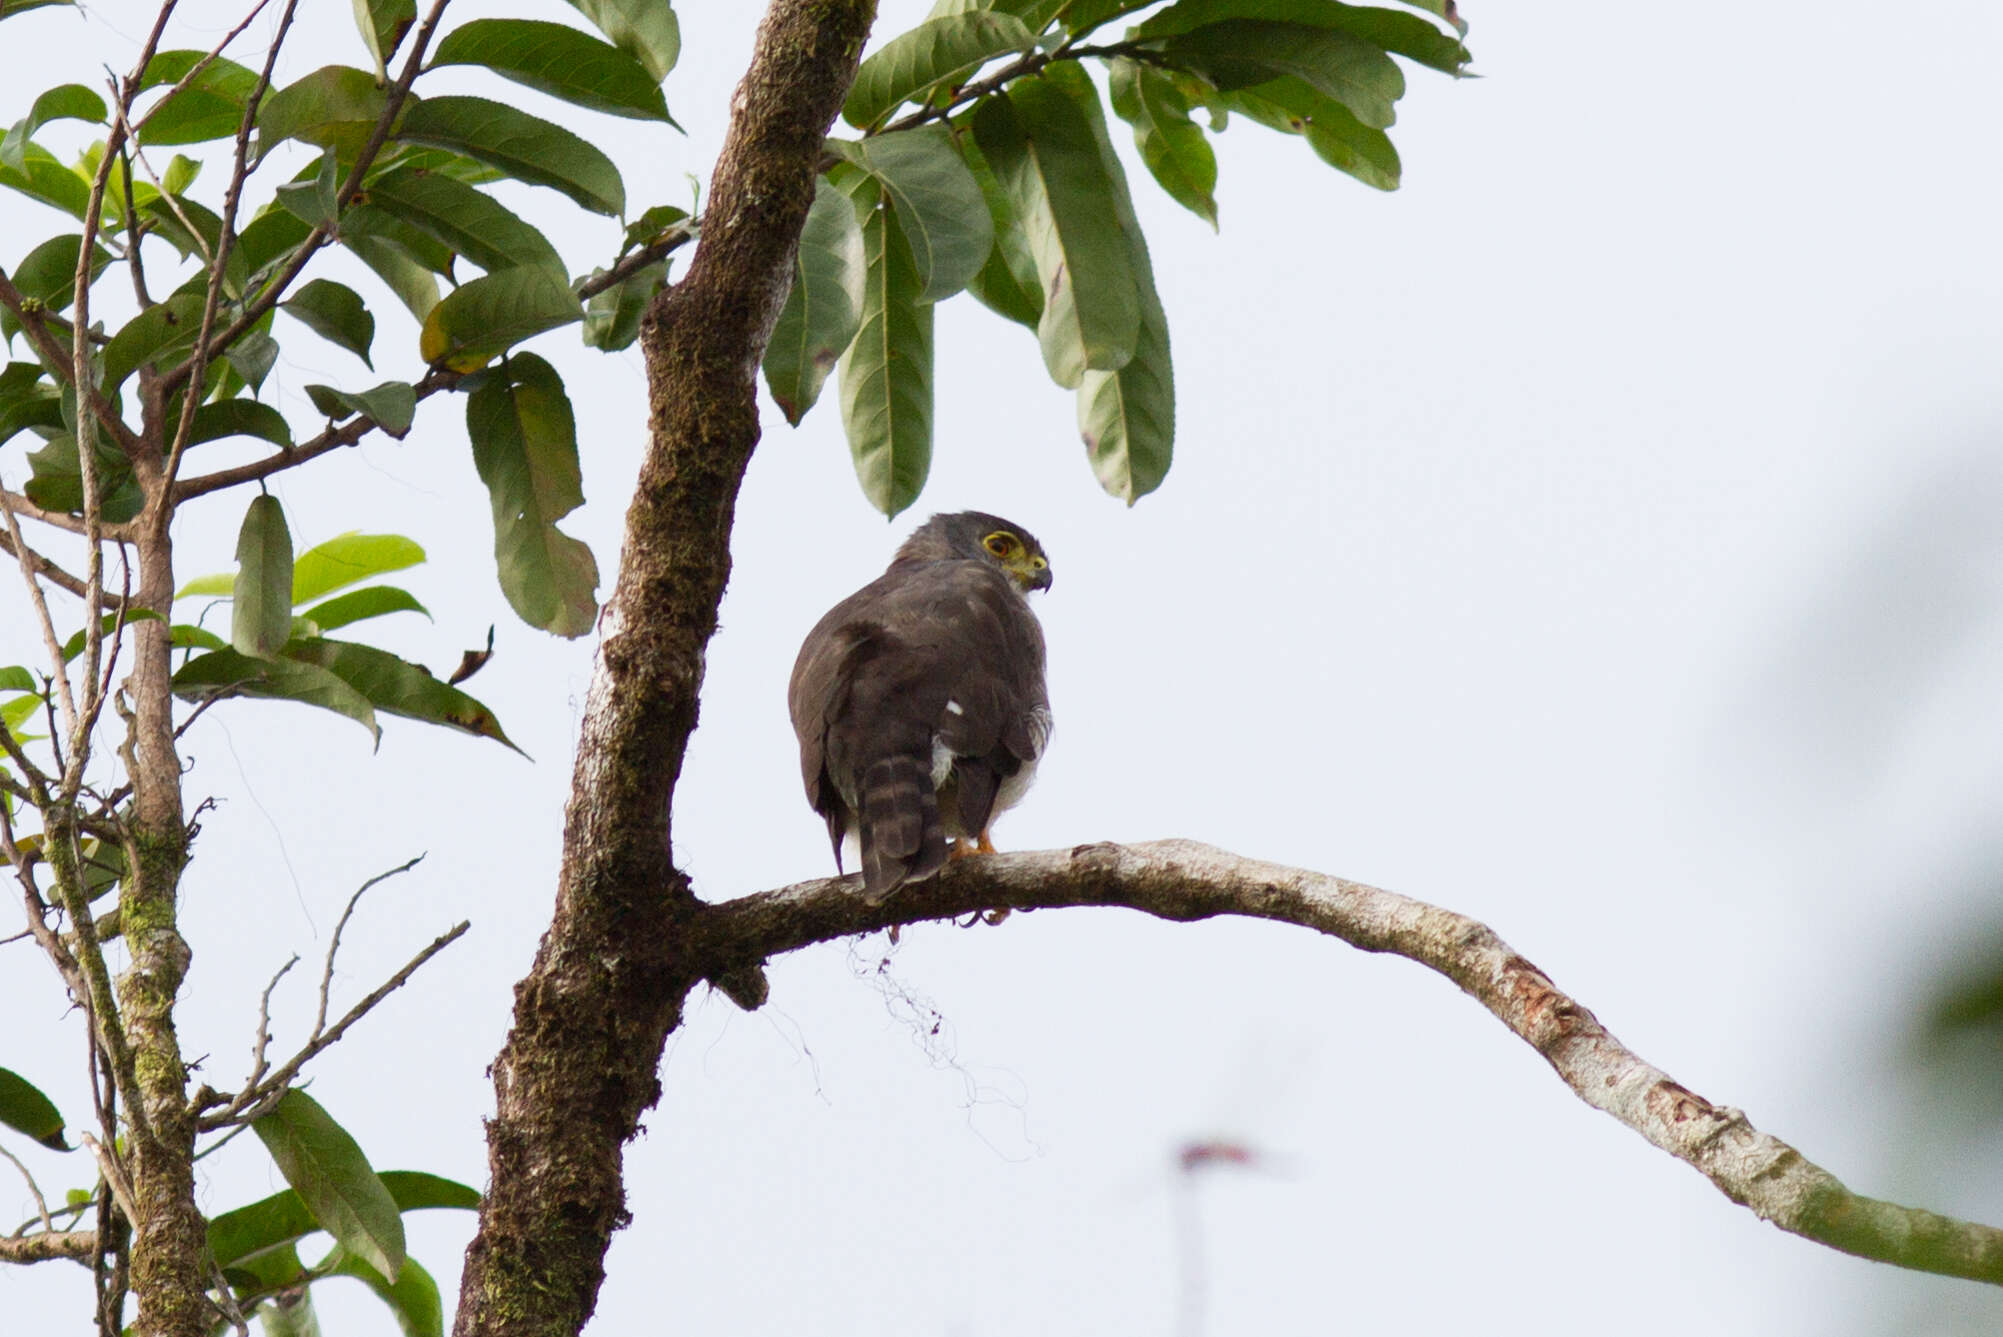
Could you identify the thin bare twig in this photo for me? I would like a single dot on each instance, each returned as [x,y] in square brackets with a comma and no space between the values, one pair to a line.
[198,361]
[58,666]
[34,1190]
[258,1064]
[334,943]
[200,65]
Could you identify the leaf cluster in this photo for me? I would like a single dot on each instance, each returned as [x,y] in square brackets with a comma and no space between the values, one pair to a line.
[985,165]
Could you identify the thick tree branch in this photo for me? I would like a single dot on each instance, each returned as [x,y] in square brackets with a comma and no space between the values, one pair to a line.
[593,1014]
[1182,880]
[75,1245]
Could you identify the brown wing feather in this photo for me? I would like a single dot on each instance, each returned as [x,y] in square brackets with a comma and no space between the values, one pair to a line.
[945,650]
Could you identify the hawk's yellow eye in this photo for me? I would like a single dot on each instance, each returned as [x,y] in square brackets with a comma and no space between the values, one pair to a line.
[1000,544]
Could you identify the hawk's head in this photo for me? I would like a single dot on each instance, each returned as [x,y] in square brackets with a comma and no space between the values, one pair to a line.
[978,536]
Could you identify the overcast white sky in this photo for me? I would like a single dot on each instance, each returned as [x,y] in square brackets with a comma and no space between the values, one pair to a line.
[1598,536]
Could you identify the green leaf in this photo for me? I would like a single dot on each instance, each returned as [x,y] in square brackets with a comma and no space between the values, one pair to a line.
[314,200]
[412,1297]
[651,226]
[346,559]
[16,713]
[486,317]
[519,145]
[65,102]
[612,317]
[269,239]
[27,400]
[14,678]
[335,312]
[886,384]
[155,333]
[107,624]
[397,687]
[240,417]
[325,1167]
[466,220]
[1405,34]
[27,1110]
[559,61]
[43,178]
[275,1270]
[824,309]
[1039,141]
[210,107]
[290,1314]
[1173,146]
[383,24]
[1082,16]
[336,106]
[1239,53]
[184,636]
[939,205]
[254,353]
[180,174]
[1127,416]
[1337,138]
[261,598]
[359,605]
[1444,9]
[645,29]
[56,479]
[9,8]
[272,1224]
[393,405]
[48,273]
[412,283]
[1007,283]
[525,448]
[940,51]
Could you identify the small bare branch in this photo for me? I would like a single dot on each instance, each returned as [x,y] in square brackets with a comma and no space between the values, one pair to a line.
[58,666]
[1181,880]
[114,1176]
[252,1098]
[337,435]
[666,244]
[334,943]
[34,1190]
[258,1064]
[45,568]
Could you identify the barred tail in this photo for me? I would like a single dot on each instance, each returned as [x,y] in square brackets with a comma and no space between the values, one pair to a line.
[903,839]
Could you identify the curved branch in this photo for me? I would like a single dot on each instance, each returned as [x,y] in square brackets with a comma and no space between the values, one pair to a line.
[1182,880]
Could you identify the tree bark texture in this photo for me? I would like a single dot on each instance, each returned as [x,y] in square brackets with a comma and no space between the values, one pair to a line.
[1182,880]
[591,1018]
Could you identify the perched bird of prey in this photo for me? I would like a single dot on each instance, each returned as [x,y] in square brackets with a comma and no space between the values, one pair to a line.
[919,699]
